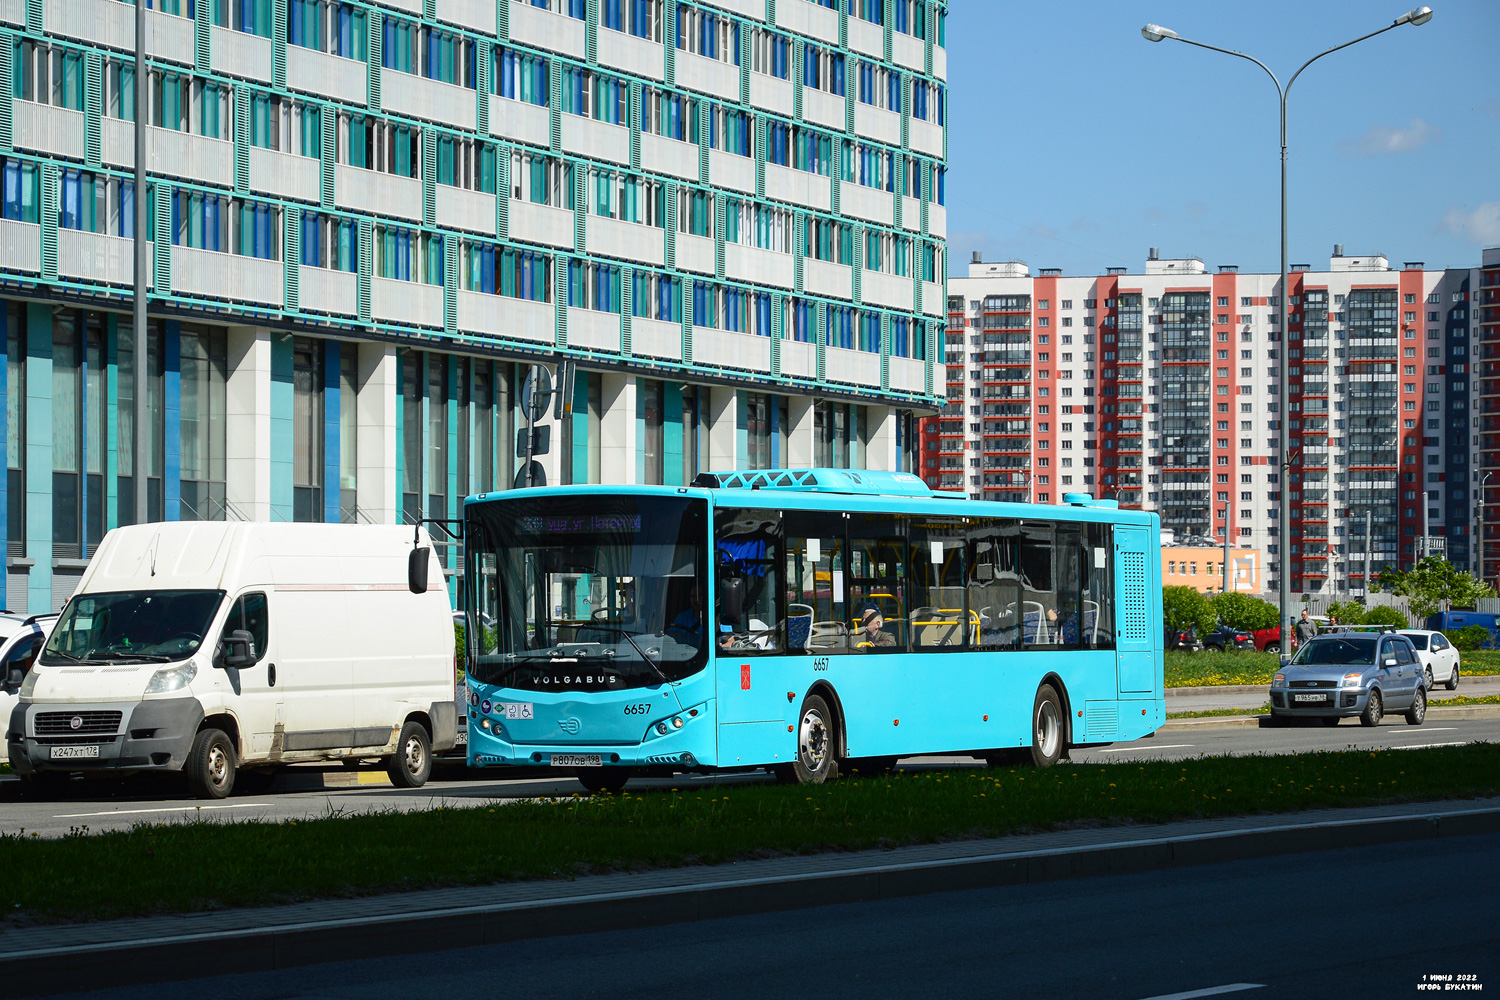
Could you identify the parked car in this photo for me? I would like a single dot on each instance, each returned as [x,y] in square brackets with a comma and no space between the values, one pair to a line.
[1227,639]
[1450,621]
[1185,639]
[21,639]
[1268,640]
[1438,656]
[1364,674]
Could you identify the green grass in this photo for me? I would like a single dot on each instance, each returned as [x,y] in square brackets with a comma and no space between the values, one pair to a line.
[1214,713]
[1213,669]
[201,865]
[1461,700]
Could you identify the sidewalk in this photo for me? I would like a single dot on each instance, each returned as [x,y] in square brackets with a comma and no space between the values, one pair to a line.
[58,958]
[1253,696]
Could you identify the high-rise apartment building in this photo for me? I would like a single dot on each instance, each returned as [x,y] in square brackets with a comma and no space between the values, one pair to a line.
[1161,389]
[366,218]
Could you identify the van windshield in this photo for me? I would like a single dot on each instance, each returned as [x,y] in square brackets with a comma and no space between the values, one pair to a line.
[587,593]
[149,626]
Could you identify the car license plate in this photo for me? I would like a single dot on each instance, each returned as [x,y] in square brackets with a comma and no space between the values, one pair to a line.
[61,753]
[518,709]
[1311,699]
[462,739]
[577,760]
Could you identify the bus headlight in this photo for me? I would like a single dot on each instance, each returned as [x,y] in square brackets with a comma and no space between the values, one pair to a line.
[172,678]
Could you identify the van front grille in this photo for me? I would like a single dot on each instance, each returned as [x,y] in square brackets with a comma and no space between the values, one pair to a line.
[95,723]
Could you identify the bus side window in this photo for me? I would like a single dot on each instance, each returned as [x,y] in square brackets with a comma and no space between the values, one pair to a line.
[816,619]
[940,618]
[748,546]
[1099,587]
[993,580]
[1039,615]
[877,579]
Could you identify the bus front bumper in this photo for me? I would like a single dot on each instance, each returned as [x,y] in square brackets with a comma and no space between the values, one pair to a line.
[687,749]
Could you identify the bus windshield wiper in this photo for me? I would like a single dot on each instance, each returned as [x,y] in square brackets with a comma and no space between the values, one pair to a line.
[638,650]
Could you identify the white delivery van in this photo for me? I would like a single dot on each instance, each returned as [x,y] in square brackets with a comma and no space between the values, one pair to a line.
[209,647]
[21,638]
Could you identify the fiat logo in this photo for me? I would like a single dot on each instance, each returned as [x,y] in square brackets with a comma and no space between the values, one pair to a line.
[76,722]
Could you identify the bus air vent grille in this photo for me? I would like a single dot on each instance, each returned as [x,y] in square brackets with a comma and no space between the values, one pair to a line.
[1133,618]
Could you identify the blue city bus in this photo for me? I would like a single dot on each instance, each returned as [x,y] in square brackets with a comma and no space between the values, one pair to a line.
[803,621]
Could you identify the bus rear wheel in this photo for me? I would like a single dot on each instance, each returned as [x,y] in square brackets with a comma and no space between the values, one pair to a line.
[1048,745]
[817,745]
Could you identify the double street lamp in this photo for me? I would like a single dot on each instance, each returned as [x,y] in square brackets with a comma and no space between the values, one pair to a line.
[1155,33]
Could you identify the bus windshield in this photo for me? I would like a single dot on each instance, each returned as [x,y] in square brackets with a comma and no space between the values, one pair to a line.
[587,593]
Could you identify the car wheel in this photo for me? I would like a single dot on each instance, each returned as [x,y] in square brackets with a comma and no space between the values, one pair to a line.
[817,744]
[411,764]
[1273,647]
[1048,744]
[604,779]
[1373,712]
[1452,684]
[1418,710]
[210,765]
[1331,720]
[1213,649]
[1427,681]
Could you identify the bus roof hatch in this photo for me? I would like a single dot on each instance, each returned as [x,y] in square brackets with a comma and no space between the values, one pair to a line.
[823,481]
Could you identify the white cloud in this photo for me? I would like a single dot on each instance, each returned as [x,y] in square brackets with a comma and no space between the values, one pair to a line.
[1481,226]
[1382,139]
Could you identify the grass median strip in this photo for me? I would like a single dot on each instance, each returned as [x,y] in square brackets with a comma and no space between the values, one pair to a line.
[1214,713]
[190,866]
[1214,669]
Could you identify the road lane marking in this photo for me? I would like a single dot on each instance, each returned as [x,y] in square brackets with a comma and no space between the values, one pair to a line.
[1211,991]
[168,809]
[1424,730]
[1419,746]
[1164,746]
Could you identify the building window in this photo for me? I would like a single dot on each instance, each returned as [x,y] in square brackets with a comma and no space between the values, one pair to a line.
[307,429]
[205,369]
[348,433]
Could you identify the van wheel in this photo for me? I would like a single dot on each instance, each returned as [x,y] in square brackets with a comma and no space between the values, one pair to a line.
[411,764]
[210,765]
[1048,745]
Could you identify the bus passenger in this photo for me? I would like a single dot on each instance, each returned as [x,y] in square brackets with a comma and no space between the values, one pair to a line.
[872,630]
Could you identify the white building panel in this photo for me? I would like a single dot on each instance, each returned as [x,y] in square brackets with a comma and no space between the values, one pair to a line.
[239,53]
[411,302]
[798,186]
[661,155]
[799,358]
[868,203]
[544,29]
[857,367]
[937,220]
[587,136]
[99,257]
[771,94]
[321,289]
[503,316]
[476,15]
[20,246]
[536,223]
[627,240]
[908,375]
[823,108]
[890,290]
[933,300]
[732,171]
[925,137]
[822,277]
[725,349]
[320,74]
[13,12]
[112,24]
[695,253]
[46,129]
[877,123]
[520,121]
[376,192]
[460,208]
[429,100]
[911,214]
[807,18]
[626,52]
[193,157]
[227,276]
[707,76]
[908,51]
[593,330]
[763,267]
[652,338]
[284,174]
[866,37]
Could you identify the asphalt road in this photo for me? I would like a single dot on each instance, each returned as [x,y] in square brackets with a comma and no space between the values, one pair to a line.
[1366,922]
[100,806]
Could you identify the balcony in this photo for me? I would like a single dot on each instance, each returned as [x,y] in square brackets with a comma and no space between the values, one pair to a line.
[112,25]
[799,358]
[626,240]
[652,338]
[542,28]
[285,174]
[241,54]
[597,139]
[212,275]
[707,76]
[731,170]
[593,330]
[374,192]
[823,108]
[869,203]
[695,253]
[626,52]
[532,222]
[20,247]
[43,128]
[323,75]
[889,290]
[771,93]
[98,257]
[503,316]
[429,100]
[476,15]
[728,349]
[809,19]
[821,277]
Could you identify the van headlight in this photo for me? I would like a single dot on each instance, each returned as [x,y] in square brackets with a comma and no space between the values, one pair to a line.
[172,678]
[29,684]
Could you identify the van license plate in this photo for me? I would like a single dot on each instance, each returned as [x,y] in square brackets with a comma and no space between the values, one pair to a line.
[577,760]
[462,738]
[59,753]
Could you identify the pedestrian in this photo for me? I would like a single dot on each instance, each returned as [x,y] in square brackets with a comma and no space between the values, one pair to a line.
[1306,628]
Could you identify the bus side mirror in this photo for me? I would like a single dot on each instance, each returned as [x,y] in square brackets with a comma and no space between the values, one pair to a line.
[416,569]
[239,649]
[731,598]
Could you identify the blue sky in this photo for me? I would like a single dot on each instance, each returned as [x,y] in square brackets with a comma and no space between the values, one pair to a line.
[1075,143]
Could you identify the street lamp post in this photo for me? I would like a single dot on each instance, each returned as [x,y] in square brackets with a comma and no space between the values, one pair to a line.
[1155,33]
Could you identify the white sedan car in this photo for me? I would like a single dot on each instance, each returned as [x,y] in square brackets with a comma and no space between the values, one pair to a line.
[1438,656]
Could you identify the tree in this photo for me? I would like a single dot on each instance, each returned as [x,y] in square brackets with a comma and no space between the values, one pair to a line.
[1384,614]
[1241,611]
[1431,582]
[1185,608]
[1469,638]
[1347,612]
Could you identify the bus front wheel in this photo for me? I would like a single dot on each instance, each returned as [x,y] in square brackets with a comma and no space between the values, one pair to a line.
[817,746]
[1048,745]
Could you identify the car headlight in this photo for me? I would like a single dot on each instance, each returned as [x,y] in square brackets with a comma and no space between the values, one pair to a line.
[29,684]
[1278,681]
[172,678]
[1352,680]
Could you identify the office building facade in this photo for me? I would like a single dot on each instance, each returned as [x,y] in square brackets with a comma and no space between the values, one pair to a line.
[367,219]
[1161,389]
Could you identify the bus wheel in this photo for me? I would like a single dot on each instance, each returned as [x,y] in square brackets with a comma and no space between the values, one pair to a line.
[603,779]
[816,744]
[1047,744]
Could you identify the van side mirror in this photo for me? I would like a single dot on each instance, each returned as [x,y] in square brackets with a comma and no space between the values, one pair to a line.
[417,562]
[14,675]
[731,598]
[239,649]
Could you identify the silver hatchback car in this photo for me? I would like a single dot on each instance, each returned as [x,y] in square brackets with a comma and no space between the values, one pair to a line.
[1348,674]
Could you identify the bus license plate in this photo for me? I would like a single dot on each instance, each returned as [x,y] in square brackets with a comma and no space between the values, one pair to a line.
[462,738]
[59,753]
[577,760]
[517,709]
[1315,699]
